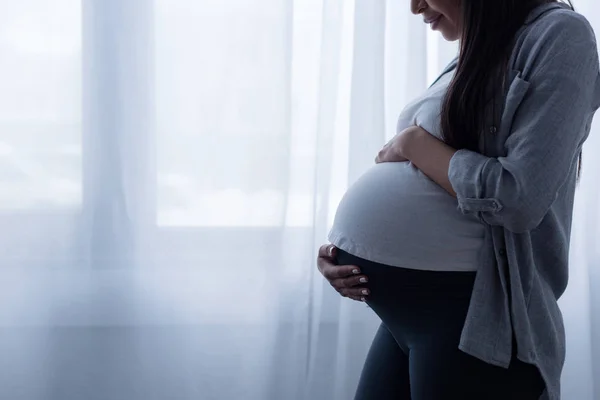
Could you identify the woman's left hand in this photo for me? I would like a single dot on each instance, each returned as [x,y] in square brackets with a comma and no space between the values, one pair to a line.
[425,151]
[396,149]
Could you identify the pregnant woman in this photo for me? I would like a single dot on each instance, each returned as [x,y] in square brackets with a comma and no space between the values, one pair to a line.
[458,237]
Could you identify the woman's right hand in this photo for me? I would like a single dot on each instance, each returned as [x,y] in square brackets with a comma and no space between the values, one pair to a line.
[345,279]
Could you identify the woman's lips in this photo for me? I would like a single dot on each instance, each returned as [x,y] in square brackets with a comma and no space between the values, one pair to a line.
[433,21]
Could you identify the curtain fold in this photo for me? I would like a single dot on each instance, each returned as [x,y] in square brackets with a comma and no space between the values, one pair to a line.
[168,170]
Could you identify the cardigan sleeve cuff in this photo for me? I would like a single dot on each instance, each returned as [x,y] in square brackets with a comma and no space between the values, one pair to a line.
[466,175]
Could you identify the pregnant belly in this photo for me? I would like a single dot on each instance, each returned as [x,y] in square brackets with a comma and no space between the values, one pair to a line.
[395,215]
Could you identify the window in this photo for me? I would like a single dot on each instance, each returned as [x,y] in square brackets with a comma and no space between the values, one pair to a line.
[40,112]
[237,96]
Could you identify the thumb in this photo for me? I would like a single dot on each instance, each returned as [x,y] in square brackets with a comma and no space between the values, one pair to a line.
[331,251]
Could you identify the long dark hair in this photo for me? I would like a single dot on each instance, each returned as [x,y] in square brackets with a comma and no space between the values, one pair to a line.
[489,28]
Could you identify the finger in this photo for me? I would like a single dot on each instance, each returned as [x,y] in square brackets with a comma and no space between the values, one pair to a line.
[356,292]
[354,281]
[327,251]
[331,251]
[325,256]
[349,283]
[333,272]
[361,299]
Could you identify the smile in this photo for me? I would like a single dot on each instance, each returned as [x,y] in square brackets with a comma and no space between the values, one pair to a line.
[433,20]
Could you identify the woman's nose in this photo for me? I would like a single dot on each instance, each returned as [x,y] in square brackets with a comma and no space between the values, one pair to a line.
[417,6]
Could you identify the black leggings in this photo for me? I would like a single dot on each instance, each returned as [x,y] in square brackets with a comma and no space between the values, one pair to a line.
[415,353]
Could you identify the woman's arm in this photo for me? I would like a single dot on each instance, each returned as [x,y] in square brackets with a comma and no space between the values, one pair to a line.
[548,128]
[425,151]
[429,154]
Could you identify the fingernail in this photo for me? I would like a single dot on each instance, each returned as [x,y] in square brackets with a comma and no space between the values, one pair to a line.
[331,250]
[355,271]
[363,280]
[365,292]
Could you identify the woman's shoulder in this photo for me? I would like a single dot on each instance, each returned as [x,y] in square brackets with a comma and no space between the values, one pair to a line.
[558,24]
[557,33]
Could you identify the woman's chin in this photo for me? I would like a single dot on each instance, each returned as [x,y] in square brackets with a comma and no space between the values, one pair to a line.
[450,36]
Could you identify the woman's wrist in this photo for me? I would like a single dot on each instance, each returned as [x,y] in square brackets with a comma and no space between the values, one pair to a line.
[410,141]
[428,153]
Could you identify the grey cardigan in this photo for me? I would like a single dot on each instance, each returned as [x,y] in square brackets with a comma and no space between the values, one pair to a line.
[521,185]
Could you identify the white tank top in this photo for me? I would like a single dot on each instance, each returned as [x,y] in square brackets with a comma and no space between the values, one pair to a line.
[395,215]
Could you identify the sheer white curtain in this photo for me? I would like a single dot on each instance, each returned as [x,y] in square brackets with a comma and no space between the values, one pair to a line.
[168,169]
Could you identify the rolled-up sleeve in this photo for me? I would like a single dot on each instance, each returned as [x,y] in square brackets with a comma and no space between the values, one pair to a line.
[546,133]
